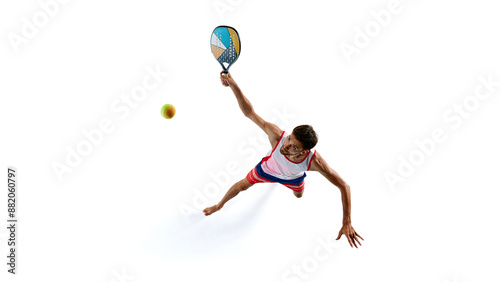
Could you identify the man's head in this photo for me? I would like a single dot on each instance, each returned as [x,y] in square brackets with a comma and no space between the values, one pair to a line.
[302,139]
[306,135]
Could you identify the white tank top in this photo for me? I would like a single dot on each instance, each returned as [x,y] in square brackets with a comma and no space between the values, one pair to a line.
[278,165]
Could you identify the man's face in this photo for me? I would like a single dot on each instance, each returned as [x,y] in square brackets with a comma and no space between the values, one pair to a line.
[291,146]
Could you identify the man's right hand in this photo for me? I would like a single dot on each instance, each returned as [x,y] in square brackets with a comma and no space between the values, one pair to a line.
[227,80]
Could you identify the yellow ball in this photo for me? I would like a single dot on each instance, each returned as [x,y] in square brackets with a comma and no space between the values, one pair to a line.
[168,111]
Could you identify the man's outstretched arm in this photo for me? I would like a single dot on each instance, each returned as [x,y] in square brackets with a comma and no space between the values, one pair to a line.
[272,130]
[320,165]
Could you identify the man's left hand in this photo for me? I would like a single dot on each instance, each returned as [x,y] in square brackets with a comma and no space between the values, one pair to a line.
[350,234]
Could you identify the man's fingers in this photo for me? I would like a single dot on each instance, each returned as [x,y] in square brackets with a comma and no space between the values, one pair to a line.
[359,236]
[351,236]
[354,243]
[349,240]
[356,240]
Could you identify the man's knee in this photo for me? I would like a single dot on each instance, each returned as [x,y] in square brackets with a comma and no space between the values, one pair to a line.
[298,194]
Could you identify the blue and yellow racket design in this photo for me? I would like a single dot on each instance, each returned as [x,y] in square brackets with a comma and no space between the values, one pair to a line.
[226,46]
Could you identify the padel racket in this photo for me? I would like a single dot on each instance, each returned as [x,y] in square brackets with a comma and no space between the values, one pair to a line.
[226,46]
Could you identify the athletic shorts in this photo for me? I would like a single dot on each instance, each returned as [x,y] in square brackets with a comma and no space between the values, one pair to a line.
[257,175]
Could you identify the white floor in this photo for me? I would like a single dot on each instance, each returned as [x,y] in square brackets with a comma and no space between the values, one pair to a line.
[404,96]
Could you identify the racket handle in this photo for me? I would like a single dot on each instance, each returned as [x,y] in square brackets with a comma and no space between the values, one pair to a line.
[225,74]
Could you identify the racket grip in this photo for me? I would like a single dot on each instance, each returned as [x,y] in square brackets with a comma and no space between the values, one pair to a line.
[225,74]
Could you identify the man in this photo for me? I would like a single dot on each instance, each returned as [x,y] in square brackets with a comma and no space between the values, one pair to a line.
[286,163]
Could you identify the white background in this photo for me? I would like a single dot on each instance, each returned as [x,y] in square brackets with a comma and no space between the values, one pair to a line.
[131,210]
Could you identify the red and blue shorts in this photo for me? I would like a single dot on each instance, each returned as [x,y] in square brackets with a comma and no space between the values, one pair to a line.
[257,175]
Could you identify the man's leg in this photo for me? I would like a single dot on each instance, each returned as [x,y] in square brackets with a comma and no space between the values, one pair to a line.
[239,186]
[298,190]
[298,194]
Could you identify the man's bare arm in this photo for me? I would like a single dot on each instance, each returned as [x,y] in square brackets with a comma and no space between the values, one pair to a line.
[320,165]
[272,130]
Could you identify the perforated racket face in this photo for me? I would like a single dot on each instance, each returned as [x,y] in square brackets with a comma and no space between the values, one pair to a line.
[226,46]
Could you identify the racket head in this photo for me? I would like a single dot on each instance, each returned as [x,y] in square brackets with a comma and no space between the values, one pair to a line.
[226,46]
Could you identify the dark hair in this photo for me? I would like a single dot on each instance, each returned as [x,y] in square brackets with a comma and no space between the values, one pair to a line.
[306,135]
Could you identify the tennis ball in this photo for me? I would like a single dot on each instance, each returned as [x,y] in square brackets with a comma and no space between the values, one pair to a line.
[168,111]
